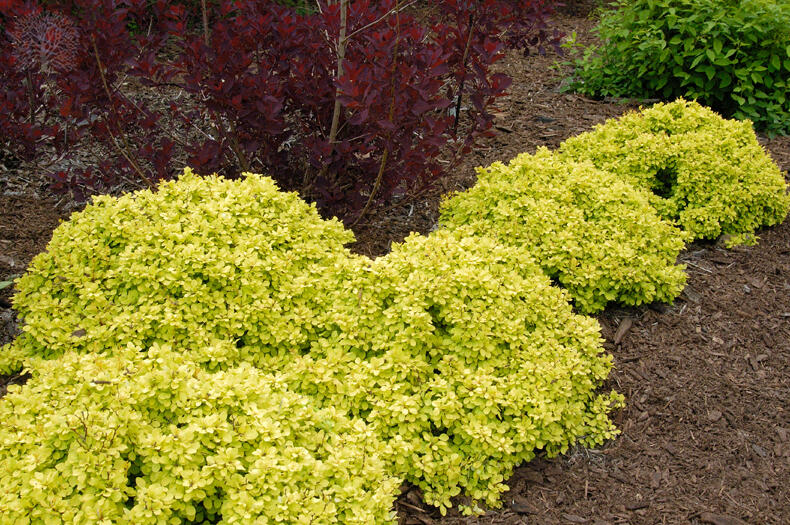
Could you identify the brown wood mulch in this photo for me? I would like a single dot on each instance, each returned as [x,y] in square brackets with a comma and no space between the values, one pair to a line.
[706,430]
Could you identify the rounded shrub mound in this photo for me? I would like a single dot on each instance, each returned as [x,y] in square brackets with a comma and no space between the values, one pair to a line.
[515,371]
[462,357]
[596,234]
[157,439]
[708,174]
[197,261]
[473,363]
[199,336]
[731,56]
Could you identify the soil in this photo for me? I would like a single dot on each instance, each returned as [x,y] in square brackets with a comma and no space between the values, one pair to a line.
[706,430]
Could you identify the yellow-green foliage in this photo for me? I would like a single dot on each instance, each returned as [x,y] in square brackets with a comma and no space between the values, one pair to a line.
[445,363]
[473,361]
[157,439]
[708,173]
[595,234]
[191,264]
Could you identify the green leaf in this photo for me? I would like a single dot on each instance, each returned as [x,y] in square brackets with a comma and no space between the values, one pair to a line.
[5,284]
[697,60]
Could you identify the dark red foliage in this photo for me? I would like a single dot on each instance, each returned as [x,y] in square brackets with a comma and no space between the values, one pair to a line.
[27,60]
[72,62]
[262,89]
[44,40]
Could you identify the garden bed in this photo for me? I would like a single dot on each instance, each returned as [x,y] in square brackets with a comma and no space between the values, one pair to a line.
[705,433]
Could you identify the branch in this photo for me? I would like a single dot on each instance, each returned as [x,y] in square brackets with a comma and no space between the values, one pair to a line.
[395,10]
[341,55]
[463,79]
[125,149]
[390,117]
[205,21]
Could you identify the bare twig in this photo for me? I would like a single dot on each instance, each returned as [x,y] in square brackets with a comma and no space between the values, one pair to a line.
[236,147]
[30,103]
[124,151]
[341,55]
[463,79]
[390,117]
[395,10]
[205,21]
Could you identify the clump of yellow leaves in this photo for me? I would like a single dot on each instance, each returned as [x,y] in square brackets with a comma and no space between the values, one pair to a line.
[706,173]
[212,351]
[595,234]
[608,213]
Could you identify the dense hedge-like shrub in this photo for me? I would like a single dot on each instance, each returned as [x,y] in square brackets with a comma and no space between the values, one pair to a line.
[473,363]
[193,263]
[732,56]
[707,173]
[454,355]
[595,234]
[125,439]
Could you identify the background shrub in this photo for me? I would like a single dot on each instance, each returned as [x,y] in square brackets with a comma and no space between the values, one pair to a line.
[456,352]
[267,88]
[592,231]
[731,56]
[708,174]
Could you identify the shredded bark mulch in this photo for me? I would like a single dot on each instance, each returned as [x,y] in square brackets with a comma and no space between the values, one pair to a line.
[706,430]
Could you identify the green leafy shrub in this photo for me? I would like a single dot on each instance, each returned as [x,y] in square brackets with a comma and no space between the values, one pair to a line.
[157,439]
[708,174]
[188,265]
[732,56]
[454,356]
[473,363]
[596,234]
